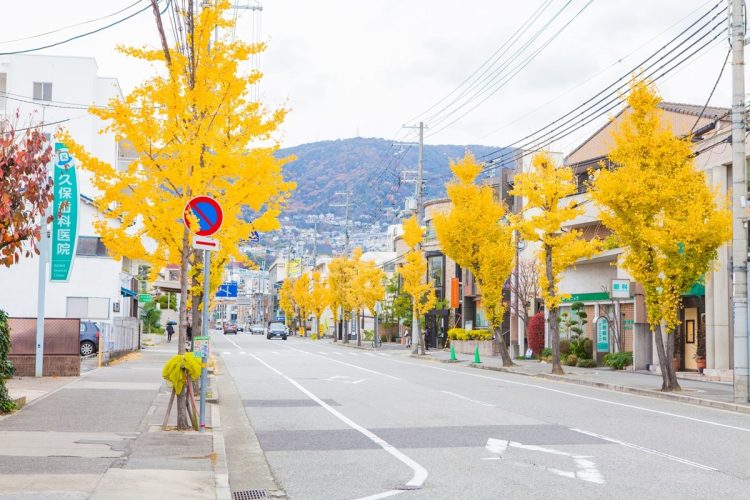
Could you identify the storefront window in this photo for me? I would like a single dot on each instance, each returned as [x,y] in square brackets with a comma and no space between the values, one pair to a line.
[435,274]
[481,318]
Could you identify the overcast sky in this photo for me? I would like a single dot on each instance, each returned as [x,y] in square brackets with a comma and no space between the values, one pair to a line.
[356,67]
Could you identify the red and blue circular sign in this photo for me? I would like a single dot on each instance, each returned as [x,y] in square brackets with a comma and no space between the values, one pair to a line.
[207,211]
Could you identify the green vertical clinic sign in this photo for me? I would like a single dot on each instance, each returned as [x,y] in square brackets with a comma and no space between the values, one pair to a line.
[602,334]
[65,215]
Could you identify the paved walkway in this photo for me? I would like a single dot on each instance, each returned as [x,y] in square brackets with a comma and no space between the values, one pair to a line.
[99,436]
[694,390]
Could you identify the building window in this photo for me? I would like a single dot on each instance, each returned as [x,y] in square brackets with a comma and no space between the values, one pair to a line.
[91,246]
[42,91]
[435,274]
[88,307]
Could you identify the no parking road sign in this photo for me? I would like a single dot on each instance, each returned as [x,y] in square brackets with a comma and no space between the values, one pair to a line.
[207,211]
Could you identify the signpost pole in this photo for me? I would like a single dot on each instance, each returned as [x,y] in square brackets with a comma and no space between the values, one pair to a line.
[204,333]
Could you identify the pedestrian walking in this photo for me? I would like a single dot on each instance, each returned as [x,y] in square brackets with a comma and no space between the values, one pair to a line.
[427,338]
[408,338]
[170,332]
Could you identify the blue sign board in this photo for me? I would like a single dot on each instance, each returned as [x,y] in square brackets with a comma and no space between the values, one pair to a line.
[227,290]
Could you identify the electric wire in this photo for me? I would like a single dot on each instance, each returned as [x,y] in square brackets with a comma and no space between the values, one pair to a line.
[494,86]
[492,60]
[593,108]
[83,35]
[618,84]
[82,23]
[710,95]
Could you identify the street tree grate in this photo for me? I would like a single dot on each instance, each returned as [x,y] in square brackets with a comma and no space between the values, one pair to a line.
[249,494]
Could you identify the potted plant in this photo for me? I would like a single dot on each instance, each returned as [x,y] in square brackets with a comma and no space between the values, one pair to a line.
[700,352]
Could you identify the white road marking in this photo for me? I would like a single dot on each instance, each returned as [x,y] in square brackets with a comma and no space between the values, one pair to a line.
[344,379]
[226,352]
[369,354]
[586,469]
[469,399]
[581,396]
[647,450]
[347,364]
[354,354]
[420,473]
[322,352]
[275,352]
[338,354]
[233,342]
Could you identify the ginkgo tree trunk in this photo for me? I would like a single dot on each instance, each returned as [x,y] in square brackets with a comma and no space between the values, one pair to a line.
[413,272]
[546,189]
[319,299]
[662,212]
[194,130]
[475,234]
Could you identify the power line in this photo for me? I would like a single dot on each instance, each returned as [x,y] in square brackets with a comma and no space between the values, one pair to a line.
[82,23]
[614,88]
[83,35]
[492,60]
[716,84]
[591,106]
[499,80]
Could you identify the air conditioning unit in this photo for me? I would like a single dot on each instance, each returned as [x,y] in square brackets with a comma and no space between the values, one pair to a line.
[410,203]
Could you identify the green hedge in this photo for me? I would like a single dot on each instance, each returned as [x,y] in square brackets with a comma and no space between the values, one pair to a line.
[461,334]
[618,360]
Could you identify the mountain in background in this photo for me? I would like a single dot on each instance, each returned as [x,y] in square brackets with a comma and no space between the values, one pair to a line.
[370,169]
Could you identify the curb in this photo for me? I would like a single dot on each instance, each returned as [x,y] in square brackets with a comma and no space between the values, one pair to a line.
[692,400]
[221,472]
[709,403]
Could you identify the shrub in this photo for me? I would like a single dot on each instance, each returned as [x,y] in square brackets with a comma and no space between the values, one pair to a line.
[565,347]
[586,363]
[547,351]
[618,360]
[571,360]
[535,331]
[461,334]
[6,404]
[588,348]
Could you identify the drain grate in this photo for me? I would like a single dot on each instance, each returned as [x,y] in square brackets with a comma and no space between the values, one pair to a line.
[249,494]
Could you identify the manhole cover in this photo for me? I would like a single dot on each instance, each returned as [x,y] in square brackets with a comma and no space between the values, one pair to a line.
[249,494]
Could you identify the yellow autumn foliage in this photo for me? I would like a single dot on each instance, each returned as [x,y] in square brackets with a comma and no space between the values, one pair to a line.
[659,206]
[546,211]
[192,130]
[414,269]
[475,235]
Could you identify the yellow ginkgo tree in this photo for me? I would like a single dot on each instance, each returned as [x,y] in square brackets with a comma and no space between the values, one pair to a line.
[301,297]
[192,129]
[319,299]
[342,299]
[368,286]
[545,188]
[286,300]
[662,212]
[413,272]
[476,235]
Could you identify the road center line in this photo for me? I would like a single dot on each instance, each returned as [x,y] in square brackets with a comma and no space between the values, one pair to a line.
[581,396]
[647,450]
[345,363]
[468,399]
[420,473]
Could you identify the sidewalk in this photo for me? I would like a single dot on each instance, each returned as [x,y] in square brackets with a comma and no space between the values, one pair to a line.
[694,390]
[99,436]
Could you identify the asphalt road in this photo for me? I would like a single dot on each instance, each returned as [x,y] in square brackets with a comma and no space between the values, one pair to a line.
[337,422]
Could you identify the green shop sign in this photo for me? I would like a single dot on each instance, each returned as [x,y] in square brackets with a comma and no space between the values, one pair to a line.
[602,334]
[65,215]
[586,297]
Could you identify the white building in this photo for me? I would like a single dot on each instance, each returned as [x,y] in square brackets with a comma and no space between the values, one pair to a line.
[57,91]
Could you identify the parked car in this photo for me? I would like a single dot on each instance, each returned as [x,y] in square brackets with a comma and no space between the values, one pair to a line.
[230,327]
[89,338]
[276,330]
[257,329]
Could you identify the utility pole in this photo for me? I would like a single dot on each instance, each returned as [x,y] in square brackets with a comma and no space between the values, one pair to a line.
[740,272]
[416,333]
[315,244]
[44,255]
[348,195]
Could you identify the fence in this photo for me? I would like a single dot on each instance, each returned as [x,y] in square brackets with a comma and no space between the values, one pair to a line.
[118,338]
[61,346]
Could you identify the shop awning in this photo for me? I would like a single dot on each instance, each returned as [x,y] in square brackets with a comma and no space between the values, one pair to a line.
[126,292]
[696,290]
